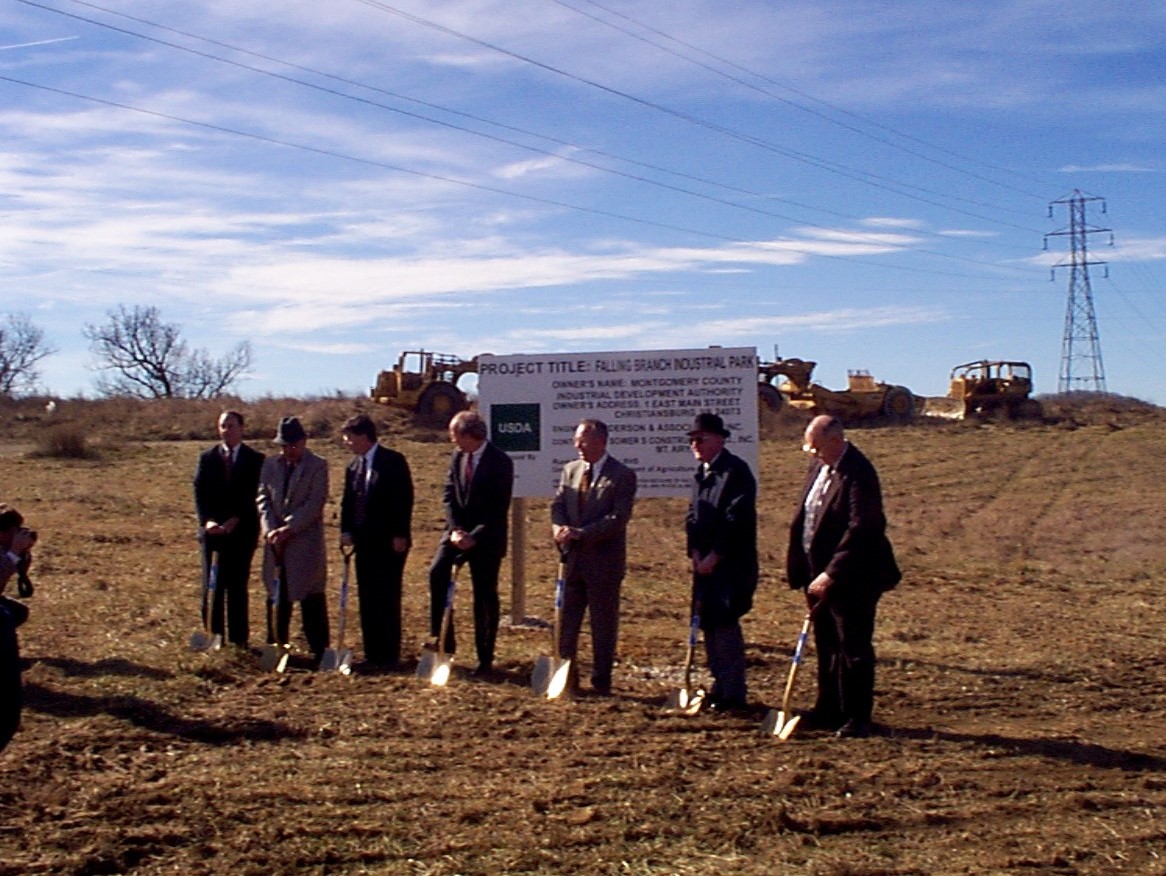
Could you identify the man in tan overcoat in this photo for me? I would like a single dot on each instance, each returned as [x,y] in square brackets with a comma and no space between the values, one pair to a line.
[293,488]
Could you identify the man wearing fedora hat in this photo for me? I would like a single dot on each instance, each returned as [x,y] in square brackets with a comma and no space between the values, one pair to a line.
[293,488]
[721,529]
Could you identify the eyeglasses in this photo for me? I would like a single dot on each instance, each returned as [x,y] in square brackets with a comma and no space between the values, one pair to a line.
[809,448]
[696,439]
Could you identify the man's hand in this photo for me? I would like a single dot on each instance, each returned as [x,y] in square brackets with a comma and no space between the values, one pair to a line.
[820,586]
[564,535]
[400,544]
[704,565]
[346,540]
[22,541]
[462,540]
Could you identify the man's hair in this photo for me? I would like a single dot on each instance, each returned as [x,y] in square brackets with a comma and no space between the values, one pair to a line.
[10,518]
[360,424]
[469,423]
[598,427]
[238,416]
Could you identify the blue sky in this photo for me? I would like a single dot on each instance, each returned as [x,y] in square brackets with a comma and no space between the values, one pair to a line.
[866,184]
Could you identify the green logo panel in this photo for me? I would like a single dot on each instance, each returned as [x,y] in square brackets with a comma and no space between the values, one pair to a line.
[515,427]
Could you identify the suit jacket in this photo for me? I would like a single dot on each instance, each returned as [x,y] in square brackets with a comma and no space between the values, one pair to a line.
[301,507]
[219,499]
[388,502]
[482,510]
[600,555]
[722,517]
[849,541]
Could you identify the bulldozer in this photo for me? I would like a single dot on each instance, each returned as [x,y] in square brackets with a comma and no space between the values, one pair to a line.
[426,384]
[986,387]
[864,397]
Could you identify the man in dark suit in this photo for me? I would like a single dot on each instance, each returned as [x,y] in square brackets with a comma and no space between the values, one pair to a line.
[477,510]
[376,516]
[721,529]
[840,555]
[225,484]
[589,522]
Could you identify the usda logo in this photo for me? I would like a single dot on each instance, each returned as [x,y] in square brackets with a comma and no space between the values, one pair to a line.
[515,427]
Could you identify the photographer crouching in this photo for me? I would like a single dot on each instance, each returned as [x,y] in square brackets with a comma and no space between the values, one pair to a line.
[15,558]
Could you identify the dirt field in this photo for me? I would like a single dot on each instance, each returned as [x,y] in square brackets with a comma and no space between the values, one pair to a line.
[1021,692]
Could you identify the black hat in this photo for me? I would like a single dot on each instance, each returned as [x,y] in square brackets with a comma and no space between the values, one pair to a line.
[289,431]
[709,423]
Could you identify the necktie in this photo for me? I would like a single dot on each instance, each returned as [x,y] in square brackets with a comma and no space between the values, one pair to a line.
[287,476]
[814,506]
[227,459]
[360,491]
[469,469]
[584,487]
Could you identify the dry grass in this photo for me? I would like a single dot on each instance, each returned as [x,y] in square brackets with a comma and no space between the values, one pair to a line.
[1022,690]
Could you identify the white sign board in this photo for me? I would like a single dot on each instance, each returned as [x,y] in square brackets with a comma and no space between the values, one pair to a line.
[648,399]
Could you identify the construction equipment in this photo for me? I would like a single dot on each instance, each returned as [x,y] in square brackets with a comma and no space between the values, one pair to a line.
[986,387]
[864,397]
[426,384]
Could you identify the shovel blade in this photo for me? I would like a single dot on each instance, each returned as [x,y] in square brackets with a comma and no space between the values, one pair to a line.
[559,678]
[337,661]
[274,658]
[434,668]
[200,641]
[540,679]
[685,701]
[779,725]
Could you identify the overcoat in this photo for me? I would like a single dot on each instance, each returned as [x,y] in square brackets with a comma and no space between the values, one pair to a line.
[301,508]
[722,517]
[849,541]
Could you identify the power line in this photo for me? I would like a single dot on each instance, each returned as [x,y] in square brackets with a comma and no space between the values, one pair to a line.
[871,236]
[871,179]
[817,114]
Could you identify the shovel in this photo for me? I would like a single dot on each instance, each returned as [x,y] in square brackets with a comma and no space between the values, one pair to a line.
[339,659]
[274,657]
[204,640]
[550,675]
[435,666]
[686,700]
[781,722]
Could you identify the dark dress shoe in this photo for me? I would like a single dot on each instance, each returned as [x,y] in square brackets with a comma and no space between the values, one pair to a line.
[853,729]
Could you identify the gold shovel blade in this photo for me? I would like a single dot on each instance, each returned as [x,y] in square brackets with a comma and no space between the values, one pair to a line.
[274,658]
[779,725]
[337,661]
[200,641]
[685,701]
[540,678]
[435,668]
[559,678]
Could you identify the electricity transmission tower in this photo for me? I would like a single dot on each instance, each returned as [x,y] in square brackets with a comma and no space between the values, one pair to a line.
[1080,345]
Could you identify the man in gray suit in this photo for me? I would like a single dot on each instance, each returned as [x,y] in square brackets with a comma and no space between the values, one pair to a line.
[293,488]
[589,518]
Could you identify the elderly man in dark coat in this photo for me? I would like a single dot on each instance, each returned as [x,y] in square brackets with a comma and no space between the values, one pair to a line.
[840,555]
[722,544]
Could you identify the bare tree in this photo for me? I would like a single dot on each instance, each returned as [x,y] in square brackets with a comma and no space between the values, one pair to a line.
[147,358]
[22,346]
